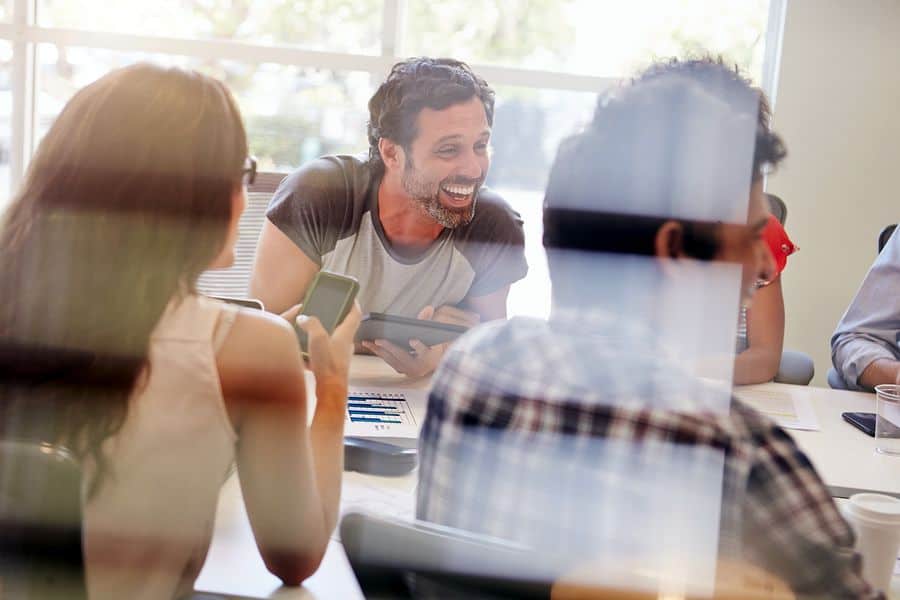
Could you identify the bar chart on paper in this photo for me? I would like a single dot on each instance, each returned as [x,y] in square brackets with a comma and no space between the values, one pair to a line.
[381,414]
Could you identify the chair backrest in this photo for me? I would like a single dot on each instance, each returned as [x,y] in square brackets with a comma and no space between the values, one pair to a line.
[40,522]
[392,558]
[884,236]
[777,207]
[234,281]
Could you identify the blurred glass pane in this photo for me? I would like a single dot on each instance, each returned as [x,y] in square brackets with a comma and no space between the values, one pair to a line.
[592,37]
[528,127]
[6,8]
[5,120]
[292,114]
[334,25]
[529,124]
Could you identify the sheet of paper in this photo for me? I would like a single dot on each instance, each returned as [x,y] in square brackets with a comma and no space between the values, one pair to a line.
[790,409]
[384,413]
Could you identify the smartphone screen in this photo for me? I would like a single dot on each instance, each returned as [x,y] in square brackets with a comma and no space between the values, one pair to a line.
[329,298]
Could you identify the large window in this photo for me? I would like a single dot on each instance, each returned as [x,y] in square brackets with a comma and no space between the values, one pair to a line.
[5,119]
[293,114]
[330,25]
[303,70]
[606,38]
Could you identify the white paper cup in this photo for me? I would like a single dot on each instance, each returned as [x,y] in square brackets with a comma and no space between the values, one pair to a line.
[875,519]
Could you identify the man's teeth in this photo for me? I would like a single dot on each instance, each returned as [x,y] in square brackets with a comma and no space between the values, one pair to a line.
[459,190]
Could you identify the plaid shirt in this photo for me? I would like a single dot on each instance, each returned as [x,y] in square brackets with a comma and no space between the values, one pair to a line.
[556,435]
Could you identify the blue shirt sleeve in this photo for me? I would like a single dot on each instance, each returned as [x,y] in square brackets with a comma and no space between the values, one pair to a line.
[869,329]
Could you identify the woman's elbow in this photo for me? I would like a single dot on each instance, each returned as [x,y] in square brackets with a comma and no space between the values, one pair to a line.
[756,366]
[292,568]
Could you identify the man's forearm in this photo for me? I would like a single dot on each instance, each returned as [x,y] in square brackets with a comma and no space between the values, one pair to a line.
[883,370]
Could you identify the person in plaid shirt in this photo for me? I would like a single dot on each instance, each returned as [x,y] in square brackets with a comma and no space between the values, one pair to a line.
[587,436]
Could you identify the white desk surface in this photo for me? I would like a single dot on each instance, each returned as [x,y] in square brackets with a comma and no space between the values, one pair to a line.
[844,457]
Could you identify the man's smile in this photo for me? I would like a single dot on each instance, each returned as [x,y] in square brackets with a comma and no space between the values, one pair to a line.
[458,195]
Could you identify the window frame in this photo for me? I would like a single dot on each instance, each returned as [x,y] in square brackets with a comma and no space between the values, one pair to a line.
[25,34]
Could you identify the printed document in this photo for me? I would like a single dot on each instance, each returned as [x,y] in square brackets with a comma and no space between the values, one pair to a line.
[384,413]
[790,409]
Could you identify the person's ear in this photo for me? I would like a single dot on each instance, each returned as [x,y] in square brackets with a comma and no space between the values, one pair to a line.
[391,154]
[669,241]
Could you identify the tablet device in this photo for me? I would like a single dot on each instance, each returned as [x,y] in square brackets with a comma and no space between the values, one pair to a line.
[399,330]
[245,302]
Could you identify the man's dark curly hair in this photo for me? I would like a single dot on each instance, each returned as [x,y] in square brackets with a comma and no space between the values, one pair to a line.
[414,84]
[670,139]
[734,87]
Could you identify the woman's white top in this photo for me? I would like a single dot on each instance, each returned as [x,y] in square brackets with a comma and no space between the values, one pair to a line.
[148,527]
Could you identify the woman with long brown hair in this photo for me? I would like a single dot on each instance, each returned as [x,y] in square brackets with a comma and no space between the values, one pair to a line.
[135,190]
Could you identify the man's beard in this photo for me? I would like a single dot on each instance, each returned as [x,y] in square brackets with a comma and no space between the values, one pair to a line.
[427,196]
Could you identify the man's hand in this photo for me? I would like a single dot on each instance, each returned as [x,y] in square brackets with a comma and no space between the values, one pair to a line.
[452,315]
[420,360]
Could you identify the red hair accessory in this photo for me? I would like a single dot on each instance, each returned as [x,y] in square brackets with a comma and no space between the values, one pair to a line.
[779,243]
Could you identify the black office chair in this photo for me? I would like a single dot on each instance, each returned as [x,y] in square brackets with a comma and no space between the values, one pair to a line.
[398,559]
[40,523]
[777,207]
[884,236]
[394,560]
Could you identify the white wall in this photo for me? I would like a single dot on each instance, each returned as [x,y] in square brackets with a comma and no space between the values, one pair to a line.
[838,108]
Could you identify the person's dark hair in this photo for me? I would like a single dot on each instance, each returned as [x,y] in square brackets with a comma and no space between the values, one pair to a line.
[127,200]
[675,143]
[414,84]
[733,87]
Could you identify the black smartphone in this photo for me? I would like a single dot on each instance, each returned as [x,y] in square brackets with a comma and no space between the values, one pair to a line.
[329,298]
[864,421]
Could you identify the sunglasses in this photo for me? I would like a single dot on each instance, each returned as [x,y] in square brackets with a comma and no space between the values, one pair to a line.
[248,173]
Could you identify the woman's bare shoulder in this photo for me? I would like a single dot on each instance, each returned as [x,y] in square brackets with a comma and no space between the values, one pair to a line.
[260,355]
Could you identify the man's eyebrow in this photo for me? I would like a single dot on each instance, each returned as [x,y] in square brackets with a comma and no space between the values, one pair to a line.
[448,138]
[458,136]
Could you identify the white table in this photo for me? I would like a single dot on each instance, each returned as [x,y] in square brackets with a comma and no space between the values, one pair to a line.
[844,457]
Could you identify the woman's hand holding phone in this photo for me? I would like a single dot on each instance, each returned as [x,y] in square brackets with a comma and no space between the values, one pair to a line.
[329,355]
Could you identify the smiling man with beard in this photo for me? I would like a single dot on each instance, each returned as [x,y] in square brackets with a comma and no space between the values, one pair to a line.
[411,221]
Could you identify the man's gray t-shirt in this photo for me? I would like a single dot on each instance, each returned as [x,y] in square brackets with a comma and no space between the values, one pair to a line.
[329,208]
